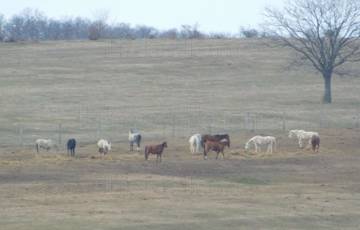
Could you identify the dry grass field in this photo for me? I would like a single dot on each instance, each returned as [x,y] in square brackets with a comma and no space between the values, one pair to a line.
[170,89]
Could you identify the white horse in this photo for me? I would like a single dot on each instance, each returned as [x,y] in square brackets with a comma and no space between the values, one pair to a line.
[270,141]
[104,146]
[46,144]
[302,136]
[134,138]
[195,143]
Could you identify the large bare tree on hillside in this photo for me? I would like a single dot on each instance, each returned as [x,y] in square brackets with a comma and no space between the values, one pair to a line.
[324,32]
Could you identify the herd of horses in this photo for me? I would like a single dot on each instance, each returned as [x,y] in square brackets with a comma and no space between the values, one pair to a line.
[198,143]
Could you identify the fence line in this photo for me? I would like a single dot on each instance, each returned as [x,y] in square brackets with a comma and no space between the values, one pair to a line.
[172,125]
[171,48]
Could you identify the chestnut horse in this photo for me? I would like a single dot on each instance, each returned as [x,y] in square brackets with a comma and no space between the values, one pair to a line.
[217,137]
[155,149]
[216,146]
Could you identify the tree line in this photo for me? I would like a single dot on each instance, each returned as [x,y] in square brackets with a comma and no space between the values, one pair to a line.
[33,25]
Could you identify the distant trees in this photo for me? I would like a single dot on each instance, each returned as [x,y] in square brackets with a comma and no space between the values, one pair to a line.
[249,33]
[97,29]
[33,25]
[191,32]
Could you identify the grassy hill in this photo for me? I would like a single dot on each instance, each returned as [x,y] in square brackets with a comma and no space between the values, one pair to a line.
[163,87]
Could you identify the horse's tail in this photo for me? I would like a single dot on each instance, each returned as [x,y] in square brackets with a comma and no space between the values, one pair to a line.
[146,152]
[228,140]
[202,141]
[139,140]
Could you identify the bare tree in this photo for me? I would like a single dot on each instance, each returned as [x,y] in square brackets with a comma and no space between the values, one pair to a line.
[324,32]
[98,26]
[170,34]
[143,31]
[249,32]
[191,32]
[2,24]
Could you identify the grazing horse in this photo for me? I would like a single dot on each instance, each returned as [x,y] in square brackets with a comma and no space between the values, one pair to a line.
[217,137]
[216,146]
[315,143]
[156,150]
[134,138]
[104,146]
[71,145]
[46,144]
[270,141]
[195,143]
[302,136]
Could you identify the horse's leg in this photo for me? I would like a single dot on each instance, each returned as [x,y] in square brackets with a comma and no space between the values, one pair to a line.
[217,154]
[257,147]
[138,147]
[205,154]
[309,143]
[157,158]
[300,143]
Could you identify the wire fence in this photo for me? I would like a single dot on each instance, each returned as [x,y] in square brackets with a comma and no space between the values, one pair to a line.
[177,48]
[88,128]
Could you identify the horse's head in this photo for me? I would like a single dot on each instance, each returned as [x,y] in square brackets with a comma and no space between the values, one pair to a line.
[164,144]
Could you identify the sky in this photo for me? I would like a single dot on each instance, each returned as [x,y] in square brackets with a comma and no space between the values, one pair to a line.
[210,15]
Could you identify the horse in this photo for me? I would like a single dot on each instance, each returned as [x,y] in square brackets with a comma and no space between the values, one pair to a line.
[217,137]
[71,145]
[155,149]
[104,146]
[134,138]
[46,144]
[195,143]
[302,135]
[216,146]
[315,143]
[270,141]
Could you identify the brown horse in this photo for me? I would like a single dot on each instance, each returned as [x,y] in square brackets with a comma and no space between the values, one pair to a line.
[315,143]
[216,146]
[155,149]
[217,137]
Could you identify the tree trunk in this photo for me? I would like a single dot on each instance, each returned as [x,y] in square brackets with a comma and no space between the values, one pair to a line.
[327,98]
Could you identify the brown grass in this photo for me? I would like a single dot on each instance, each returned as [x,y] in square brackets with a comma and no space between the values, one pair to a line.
[147,83]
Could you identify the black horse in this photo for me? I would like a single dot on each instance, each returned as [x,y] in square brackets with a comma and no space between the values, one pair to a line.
[71,145]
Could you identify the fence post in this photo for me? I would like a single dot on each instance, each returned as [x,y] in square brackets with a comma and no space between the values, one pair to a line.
[283,122]
[254,123]
[98,130]
[21,140]
[173,125]
[59,133]
[191,47]
[247,120]
[357,122]
[224,124]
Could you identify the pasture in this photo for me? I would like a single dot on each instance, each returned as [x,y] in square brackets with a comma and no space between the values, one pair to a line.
[170,90]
